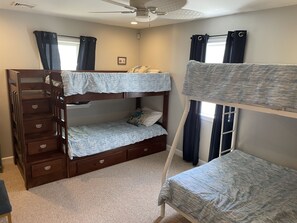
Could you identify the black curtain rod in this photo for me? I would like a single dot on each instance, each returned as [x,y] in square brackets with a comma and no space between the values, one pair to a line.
[76,37]
[218,35]
[215,35]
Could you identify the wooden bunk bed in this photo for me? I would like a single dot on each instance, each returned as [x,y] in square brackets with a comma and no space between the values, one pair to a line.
[81,165]
[236,187]
[38,107]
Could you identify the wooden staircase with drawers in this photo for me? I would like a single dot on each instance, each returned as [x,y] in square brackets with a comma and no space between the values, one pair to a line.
[35,143]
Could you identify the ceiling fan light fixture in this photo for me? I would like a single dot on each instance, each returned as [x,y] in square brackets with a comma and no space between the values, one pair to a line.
[161,13]
[142,18]
[146,18]
[152,9]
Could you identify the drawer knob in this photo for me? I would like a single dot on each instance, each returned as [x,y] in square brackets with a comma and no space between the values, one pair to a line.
[38,126]
[47,167]
[145,150]
[34,107]
[43,146]
[101,161]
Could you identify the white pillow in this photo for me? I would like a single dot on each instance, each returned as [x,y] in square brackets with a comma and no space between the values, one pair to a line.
[153,71]
[132,70]
[138,69]
[150,117]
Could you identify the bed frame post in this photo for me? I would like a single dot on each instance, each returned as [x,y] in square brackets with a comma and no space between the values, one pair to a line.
[173,148]
[165,109]
[138,103]
[235,126]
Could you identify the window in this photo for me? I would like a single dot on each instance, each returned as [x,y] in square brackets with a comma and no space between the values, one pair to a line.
[68,50]
[214,54]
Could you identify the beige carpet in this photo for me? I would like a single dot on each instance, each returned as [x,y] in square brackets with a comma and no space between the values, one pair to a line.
[125,193]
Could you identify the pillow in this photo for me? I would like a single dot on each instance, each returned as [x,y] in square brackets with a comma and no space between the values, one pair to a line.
[145,116]
[135,118]
[153,71]
[138,69]
[132,70]
[149,116]
[142,69]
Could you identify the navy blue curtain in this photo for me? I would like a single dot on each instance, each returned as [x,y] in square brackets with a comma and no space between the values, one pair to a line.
[191,137]
[86,54]
[47,43]
[234,53]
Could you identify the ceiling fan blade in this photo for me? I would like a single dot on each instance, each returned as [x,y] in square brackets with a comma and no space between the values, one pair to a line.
[120,4]
[123,12]
[182,14]
[166,5]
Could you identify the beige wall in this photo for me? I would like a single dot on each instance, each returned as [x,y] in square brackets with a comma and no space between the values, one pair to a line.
[272,38]
[18,50]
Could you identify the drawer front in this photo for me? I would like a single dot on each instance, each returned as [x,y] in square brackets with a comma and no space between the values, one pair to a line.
[36,106]
[47,168]
[96,163]
[42,146]
[143,150]
[40,125]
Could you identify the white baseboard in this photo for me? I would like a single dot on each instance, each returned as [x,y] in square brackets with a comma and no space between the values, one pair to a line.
[8,159]
[179,153]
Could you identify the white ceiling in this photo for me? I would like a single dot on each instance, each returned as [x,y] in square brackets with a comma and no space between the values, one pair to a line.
[80,9]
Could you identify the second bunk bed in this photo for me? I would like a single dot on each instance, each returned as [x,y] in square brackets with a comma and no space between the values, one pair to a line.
[91,147]
[236,187]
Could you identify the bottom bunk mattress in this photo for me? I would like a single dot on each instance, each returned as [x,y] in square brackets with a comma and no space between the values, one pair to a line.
[95,138]
[236,187]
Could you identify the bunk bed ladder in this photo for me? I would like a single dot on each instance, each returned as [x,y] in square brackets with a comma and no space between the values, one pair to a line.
[231,113]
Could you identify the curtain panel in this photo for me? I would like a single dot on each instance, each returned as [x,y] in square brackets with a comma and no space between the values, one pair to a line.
[191,138]
[47,43]
[87,53]
[234,53]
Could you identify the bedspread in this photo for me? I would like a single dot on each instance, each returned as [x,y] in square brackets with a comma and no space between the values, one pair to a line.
[269,86]
[91,139]
[83,82]
[236,188]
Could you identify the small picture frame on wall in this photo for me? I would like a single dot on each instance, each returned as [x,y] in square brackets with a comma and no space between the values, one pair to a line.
[122,60]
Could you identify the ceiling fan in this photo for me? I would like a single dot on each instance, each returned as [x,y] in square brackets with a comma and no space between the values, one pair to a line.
[147,10]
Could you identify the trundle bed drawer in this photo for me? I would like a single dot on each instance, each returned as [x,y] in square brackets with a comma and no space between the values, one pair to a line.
[36,126]
[42,146]
[147,147]
[46,168]
[96,163]
[36,106]
[143,151]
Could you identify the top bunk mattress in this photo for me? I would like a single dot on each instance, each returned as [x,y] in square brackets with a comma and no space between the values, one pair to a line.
[265,86]
[236,187]
[83,82]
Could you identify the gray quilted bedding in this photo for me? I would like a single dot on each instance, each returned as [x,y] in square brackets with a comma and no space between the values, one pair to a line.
[95,138]
[235,188]
[83,82]
[269,86]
